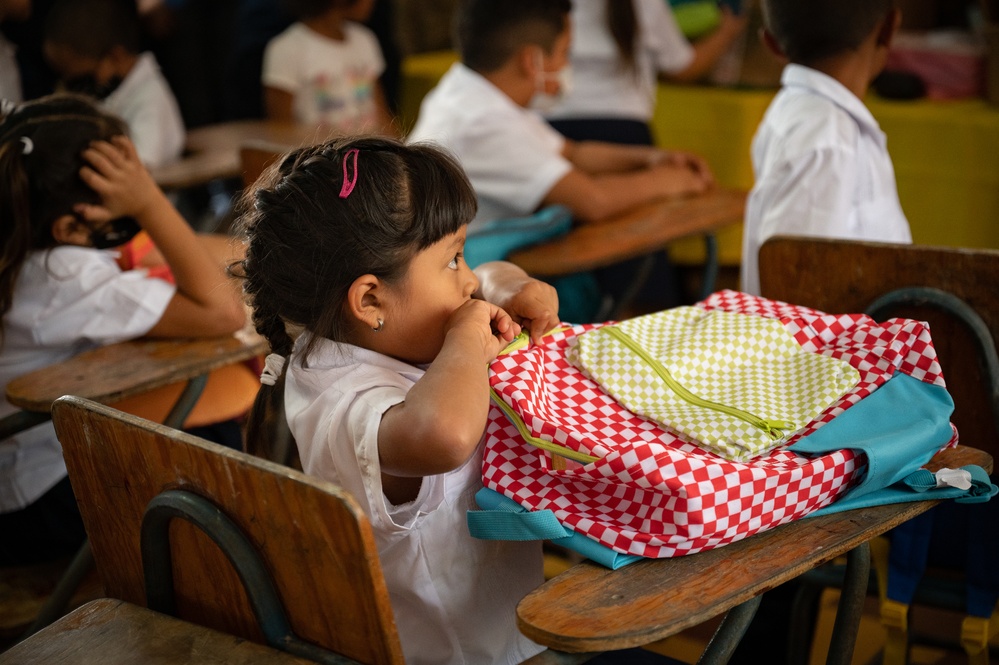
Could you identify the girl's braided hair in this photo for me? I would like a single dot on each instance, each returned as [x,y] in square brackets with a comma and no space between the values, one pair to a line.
[307,242]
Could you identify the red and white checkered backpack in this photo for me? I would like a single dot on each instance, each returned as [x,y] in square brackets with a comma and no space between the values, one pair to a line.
[556,441]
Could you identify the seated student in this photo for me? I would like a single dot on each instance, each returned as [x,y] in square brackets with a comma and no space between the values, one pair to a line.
[73,190]
[94,46]
[324,69]
[620,49]
[511,52]
[820,159]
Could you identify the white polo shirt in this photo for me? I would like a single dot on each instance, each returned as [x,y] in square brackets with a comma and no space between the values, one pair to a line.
[512,156]
[66,300]
[822,169]
[603,85]
[454,597]
[146,103]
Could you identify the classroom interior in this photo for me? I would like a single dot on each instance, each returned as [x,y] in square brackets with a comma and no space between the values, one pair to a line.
[944,147]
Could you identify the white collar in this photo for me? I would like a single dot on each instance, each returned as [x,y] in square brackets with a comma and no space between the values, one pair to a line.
[800,76]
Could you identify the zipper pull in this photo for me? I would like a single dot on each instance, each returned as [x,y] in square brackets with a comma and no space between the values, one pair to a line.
[776,429]
[521,341]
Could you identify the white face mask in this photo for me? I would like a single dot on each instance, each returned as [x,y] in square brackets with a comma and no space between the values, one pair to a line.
[543,101]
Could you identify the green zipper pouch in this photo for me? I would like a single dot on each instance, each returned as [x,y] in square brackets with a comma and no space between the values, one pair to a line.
[735,384]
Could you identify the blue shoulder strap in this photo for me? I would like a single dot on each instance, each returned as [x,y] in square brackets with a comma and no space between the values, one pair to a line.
[899,427]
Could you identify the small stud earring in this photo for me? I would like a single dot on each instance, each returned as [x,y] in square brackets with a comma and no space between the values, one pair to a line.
[381,322]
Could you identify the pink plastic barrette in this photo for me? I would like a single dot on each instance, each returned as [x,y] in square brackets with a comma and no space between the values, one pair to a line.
[349,180]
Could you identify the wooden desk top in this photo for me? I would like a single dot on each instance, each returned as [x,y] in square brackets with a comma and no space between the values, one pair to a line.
[636,233]
[113,632]
[111,373]
[212,151]
[591,608]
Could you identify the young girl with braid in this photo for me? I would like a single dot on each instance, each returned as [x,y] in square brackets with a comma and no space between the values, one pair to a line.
[357,245]
[72,188]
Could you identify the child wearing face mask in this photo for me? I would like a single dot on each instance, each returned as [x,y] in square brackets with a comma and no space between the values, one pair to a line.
[513,52]
[94,46]
[73,187]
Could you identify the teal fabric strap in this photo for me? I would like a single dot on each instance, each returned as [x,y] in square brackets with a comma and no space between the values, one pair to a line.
[502,518]
[899,426]
[981,489]
[503,525]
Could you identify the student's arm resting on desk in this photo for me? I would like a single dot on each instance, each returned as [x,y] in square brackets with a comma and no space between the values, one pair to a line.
[205,302]
[609,179]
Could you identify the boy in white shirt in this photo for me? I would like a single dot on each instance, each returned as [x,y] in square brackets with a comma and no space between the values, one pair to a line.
[512,52]
[515,53]
[821,161]
[94,46]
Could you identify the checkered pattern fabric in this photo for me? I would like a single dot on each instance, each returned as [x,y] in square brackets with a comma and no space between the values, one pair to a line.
[736,384]
[650,492]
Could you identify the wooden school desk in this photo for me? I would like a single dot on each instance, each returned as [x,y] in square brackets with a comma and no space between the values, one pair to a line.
[113,632]
[589,608]
[640,232]
[112,373]
[212,151]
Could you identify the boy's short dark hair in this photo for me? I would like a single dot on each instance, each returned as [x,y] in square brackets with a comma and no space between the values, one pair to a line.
[92,28]
[810,30]
[489,32]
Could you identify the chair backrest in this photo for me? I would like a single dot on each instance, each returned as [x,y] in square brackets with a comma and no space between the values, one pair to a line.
[848,276]
[313,541]
[256,156]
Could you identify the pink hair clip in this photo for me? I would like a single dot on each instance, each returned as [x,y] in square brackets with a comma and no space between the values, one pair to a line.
[348,180]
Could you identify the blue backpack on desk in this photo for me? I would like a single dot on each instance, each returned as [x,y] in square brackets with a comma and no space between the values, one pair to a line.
[579,295]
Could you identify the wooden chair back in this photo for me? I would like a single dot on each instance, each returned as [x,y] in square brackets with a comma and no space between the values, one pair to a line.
[312,540]
[256,156]
[845,276]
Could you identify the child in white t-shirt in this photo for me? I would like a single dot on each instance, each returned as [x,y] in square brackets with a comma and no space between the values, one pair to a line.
[73,188]
[324,69]
[358,242]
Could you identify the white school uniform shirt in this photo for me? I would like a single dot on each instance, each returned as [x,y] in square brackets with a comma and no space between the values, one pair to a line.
[66,300]
[146,103]
[603,86]
[10,75]
[822,169]
[454,597]
[512,156]
[332,82]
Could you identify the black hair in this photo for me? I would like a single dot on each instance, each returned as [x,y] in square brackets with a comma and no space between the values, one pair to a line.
[41,146]
[623,25]
[306,243]
[92,28]
[812,30]
[304,10]
[489,32]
